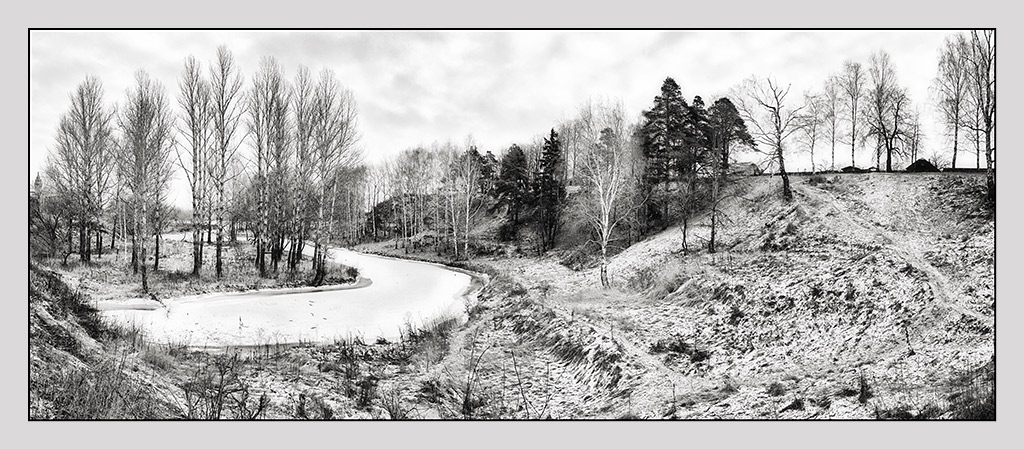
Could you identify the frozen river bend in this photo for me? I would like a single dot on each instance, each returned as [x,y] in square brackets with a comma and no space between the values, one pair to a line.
[391,294]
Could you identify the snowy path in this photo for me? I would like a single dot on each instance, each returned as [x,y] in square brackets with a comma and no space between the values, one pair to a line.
[394,293]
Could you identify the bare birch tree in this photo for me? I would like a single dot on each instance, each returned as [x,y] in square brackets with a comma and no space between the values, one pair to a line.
[333,137]
[952,86]
[79,166]
[812,123]
[851,81]
[607,153]
[302,187]
[227,108]
[194,152]
[832,108]
[145,155]
[268,124]
[888,109]
[983,84]
[762,104]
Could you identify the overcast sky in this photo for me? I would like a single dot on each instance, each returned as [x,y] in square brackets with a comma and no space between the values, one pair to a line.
[500,86]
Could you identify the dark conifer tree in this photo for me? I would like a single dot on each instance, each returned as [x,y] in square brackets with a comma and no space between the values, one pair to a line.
[549,192]
[513,188]
[727,129]
[663,137]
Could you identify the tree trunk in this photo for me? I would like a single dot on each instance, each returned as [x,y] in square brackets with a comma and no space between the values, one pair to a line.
[469,198]
[135,249]
[787,193]
[197,250]
[888,157]
[686,230]
[813,168]
[220,253]
[604,266]
[71,228]
[83,241]
[990,174]
[99,244]
[261,253]
[833,166]
[139,228]
[156,253]
[956,141]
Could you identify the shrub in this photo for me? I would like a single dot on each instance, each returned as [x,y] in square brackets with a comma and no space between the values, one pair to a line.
[735,315]
[776,389]
[352,272]
[676,344]
[391,402]
[217,391]
[974,396]
[864,393]
[103,392]
[317,408]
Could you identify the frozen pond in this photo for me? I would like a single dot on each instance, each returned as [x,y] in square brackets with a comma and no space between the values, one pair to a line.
[394,293]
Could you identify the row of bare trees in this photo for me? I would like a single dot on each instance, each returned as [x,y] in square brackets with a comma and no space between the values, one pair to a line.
[430,195]
[964,89]
[114,164]
[301,138]
[278,158]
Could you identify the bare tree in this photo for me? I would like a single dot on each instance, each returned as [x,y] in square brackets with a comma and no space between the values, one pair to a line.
[762,104]
[376,189]
[302,187]
[193,155]
[569,134]
[983,84]
[832,108]
[448,163]
[915,138]
[888,109]
[952,85]
[79,165]
[268,124]
[607,154]
[468,175]
[333,137]
[145,159]
[851,82]
[226,102]
[812,122]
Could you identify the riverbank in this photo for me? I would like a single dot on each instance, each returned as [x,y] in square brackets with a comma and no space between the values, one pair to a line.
[109,279]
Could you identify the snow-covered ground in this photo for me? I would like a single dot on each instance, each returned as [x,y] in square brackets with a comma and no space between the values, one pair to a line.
[392,294]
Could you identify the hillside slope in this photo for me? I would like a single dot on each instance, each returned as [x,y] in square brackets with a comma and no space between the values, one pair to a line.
[866,296]
[79,367]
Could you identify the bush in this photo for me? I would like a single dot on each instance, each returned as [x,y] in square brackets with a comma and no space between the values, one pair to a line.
[864,392]
[974,397]
[817,179]
[735,315]
[676,344]
[216,391]
[507,232]
[776,389]
[317,408]
[352,272]
[103,392]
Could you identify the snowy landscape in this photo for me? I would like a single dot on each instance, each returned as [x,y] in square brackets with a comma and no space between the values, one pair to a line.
[512,225]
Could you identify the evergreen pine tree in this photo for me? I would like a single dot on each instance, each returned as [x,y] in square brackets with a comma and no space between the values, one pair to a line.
[664,139]
[513,189]
[549,191]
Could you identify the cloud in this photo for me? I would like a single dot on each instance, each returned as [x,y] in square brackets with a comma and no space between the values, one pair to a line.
[501,86]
